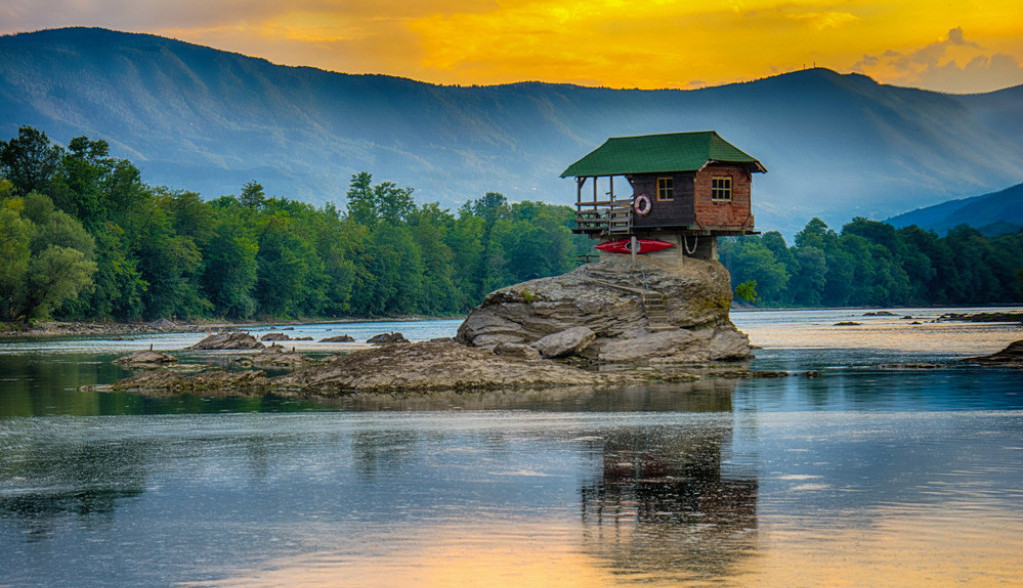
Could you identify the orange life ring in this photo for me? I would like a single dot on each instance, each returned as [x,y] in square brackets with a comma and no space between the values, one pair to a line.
[642,204]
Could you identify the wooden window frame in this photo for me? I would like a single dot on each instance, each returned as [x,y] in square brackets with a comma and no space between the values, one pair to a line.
[721,189]
[665,185]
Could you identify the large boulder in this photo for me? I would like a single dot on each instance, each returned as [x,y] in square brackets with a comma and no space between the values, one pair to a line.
[674,311]
[567,342]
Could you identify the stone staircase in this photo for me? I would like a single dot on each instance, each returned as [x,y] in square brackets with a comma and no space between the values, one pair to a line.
[655,307]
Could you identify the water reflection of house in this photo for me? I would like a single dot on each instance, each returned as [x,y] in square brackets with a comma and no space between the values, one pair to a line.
[664,505]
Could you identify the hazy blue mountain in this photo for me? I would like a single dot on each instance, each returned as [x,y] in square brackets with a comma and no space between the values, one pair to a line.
[206,120]
[993,214]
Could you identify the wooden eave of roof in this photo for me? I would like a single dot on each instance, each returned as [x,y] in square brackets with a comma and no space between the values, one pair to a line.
[666,153]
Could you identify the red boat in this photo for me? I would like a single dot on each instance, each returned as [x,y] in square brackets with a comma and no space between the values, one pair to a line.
[625,246]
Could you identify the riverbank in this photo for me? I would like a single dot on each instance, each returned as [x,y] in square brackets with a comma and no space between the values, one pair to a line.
[46,329]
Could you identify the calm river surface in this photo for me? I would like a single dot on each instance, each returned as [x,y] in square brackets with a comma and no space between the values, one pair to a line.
[863,475]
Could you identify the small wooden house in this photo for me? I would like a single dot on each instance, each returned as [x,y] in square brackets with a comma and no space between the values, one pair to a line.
[680,184]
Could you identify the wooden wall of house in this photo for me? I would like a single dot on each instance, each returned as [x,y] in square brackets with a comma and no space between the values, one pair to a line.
[677,212]
[710,214]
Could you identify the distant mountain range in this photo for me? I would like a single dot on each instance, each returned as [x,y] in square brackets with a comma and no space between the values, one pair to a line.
[992,214]
[195,118]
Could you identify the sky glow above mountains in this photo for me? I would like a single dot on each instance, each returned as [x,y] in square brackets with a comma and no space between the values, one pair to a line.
[957,46]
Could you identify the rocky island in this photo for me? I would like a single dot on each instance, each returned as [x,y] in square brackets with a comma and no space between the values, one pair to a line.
[611,322]
[656,311]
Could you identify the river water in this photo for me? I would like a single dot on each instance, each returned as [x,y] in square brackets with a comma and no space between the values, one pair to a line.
[848,472]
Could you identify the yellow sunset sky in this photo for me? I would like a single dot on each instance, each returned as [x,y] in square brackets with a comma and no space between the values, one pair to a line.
[958,46]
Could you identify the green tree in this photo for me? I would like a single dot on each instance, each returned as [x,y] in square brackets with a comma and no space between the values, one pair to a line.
[752,261]
[252,195]
[46,258]
[56,275]
[747,291]
[29,161]
[230,272]
[15,252]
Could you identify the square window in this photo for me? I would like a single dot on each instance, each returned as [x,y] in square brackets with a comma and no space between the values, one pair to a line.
[721,189]
[665,188]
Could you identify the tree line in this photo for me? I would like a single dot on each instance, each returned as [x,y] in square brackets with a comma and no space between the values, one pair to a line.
[82,237]
[871,263]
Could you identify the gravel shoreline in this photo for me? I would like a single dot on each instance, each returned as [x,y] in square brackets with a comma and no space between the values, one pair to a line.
[43,329]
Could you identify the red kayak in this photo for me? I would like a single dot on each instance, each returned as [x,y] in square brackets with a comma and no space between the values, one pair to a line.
[625,246]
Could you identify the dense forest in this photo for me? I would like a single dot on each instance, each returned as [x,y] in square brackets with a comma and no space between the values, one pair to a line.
[871,263]
[83,237]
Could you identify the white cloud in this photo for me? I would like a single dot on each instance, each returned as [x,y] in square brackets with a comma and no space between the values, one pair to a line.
[936,66]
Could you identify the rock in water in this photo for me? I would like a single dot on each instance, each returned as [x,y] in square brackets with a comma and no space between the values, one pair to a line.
[424,366]
[228,340]
[655,311]
[338,339]
[275,337]
[387,339]
[145,360]
[1011,356]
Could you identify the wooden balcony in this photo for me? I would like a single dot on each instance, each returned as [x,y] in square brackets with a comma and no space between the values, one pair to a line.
[603,218]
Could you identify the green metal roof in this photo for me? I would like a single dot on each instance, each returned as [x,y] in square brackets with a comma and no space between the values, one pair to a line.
[674,152]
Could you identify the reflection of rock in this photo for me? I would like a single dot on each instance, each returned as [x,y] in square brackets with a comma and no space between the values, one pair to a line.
[228,340]
[145,359]
[663,504]
[387,339]
[911,365]
[68,483]
[425,366]
[628,309]
[1011,356]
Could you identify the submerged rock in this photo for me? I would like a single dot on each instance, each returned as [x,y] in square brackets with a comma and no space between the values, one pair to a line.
[676,311]
[228,340]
